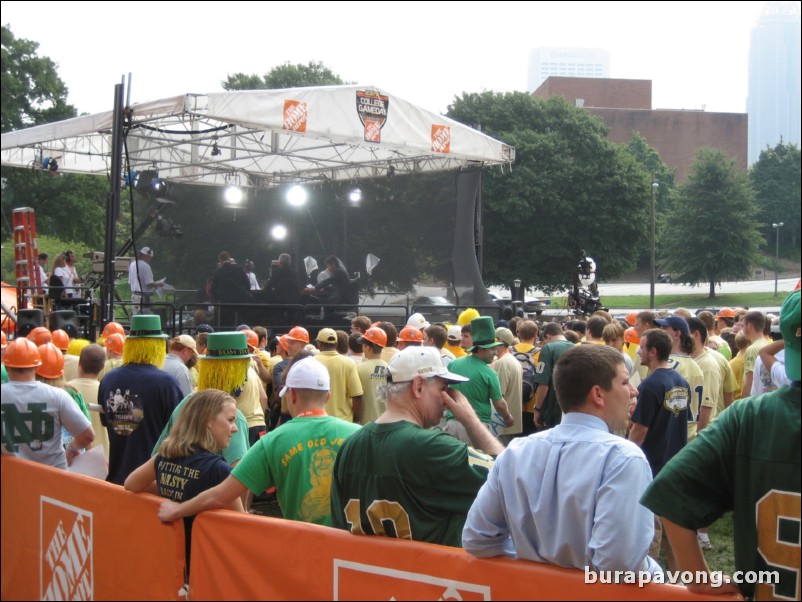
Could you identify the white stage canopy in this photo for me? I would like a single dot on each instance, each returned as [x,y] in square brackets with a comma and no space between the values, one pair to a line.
[264,138]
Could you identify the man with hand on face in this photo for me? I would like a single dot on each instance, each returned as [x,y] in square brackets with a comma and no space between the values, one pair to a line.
[399,477]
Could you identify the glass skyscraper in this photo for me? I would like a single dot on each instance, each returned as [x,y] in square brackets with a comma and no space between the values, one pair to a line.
[774,78]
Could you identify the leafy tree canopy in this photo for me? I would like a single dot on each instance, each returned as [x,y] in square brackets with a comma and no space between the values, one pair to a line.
[775,178]
[285,76]
[32,92]
[570,189]
[712,234]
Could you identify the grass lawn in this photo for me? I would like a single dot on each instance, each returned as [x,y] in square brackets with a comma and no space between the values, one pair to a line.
[766,299]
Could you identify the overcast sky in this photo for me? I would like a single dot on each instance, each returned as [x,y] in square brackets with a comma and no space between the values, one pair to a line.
[695,53]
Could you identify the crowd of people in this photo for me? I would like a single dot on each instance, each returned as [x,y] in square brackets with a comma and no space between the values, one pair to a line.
[594,444]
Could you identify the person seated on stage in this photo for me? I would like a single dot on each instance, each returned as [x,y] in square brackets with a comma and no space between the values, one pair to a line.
[335,287]
[282,286]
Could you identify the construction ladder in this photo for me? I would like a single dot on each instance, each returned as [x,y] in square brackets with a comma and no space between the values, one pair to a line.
[26,253]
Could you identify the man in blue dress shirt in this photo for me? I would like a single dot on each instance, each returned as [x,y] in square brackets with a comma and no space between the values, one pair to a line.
[569,496]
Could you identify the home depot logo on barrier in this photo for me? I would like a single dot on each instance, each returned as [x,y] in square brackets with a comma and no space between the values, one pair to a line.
[66,552]
[372,109]
[295,115]
[358,581]
[441,139]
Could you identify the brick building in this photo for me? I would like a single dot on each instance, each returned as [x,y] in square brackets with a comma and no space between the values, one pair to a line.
[625,105]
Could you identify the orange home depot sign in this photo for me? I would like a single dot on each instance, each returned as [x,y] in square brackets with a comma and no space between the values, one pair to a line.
[70,537]
[320,563]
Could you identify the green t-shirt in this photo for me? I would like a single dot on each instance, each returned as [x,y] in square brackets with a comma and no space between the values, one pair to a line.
[297,458]
[3,374]
[406,481]
[747,461]
[236,448]
[551,414]
[78,399]
[481,390]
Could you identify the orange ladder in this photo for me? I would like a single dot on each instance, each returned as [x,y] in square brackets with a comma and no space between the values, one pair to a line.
[26,253]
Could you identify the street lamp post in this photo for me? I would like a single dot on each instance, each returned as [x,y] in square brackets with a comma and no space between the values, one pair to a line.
[777,227]
[652,273]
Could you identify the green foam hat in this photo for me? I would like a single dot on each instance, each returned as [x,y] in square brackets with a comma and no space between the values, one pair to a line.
[226,346]
[483,332]
[146,327]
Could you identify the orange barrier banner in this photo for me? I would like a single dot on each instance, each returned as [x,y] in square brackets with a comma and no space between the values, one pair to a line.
[245,557]
[71,537]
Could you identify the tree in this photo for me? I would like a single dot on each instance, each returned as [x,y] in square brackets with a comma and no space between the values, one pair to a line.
[712,233]
[776,181]
[32,92]
[570,189]
[285,76]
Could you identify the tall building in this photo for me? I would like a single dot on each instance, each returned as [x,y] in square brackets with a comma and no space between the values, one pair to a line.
[773,104]
[566,62]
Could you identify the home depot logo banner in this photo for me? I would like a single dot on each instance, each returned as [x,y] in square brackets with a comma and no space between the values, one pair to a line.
[352,580]
[441,139]
[66,551]
[372,109]
[296,114]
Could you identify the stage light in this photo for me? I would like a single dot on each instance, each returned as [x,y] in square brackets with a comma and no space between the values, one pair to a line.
[355,196]
[233,196]
[296,196]
[216,152]
[278,232]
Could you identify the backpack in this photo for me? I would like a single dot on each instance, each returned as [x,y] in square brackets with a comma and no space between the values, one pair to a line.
[526,359]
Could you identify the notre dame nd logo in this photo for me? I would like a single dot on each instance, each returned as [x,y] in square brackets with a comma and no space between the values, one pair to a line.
[65,552]
[32,428]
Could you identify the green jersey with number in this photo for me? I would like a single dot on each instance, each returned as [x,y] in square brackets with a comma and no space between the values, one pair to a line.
[406,481]
[747,461]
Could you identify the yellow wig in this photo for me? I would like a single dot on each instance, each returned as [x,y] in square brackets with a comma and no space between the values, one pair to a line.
[466,316]
[76,345]
[226,375]
[145,351]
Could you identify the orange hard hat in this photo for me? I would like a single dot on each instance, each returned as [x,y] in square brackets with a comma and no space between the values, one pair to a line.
[725,312]
[21,353]
[5,339]
[631,317]
[61,339]
[115,343]
[282,340]
[631,336]
[251,338]
[410,334]
[376,335]
[40,335]
[52,361]
[112,328]
[298,333]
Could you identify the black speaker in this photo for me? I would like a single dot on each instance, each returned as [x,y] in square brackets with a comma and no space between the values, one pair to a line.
[66,320]
[28,319]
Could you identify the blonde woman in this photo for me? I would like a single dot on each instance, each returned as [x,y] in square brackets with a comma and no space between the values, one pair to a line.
[188,461]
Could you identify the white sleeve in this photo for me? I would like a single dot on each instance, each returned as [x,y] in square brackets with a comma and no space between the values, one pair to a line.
[486,532]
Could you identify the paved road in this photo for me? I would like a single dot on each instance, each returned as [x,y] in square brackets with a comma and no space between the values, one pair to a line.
[749,286]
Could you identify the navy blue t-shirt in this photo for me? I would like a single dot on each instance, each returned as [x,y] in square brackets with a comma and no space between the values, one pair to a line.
[181,479]
[138,400]
[663,402]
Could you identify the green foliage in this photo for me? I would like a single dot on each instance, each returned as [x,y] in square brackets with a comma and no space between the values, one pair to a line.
[68,206]
[32,92]
[52,246]
[570,189]
[712,234]
[285,76]
[776,181]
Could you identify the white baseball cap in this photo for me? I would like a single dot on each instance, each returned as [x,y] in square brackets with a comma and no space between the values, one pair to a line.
[306,374]
[455,332]
[420,361]
[417,320]
[146,251]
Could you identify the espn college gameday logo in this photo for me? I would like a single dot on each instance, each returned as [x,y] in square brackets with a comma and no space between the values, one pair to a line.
[65,550]
[358,581]
[372,109]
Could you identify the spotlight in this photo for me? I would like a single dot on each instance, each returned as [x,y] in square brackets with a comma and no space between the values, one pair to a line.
[216,152]
[233,196]
[279,232]
[355,196]
[159,186]
[296,196]
[143,180]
